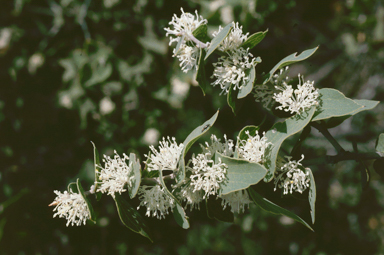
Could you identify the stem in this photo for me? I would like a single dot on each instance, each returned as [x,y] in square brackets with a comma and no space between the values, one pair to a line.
[199,44]
[327,135]
[356,156]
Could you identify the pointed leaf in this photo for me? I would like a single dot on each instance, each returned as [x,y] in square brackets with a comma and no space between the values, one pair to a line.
[240,173]
[96,161]
[130,217]
[254,39]
[215,210]
[281,131]
[333,103]
[189,141]
[218,39]
[288,61]
[247,88]
[136,169]
[312,195]
[178,212]
[268,206]
[89,206]
[201,73]
[231,97]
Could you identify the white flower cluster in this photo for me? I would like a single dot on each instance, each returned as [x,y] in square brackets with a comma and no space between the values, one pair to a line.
[236,200]
[292,177]
[206,175]
[191,197]
[157,201]
[225,148]
[182,30]
[234,39]
[71,206]
[254,148]
[167,157]
[115,174]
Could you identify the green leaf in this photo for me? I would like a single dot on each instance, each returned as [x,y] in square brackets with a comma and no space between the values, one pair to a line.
[281,131]
[178,212]
[240,173]
[380,143]
[366,105]
[200,33]
[137,175]
[130,217]
[312,195]
[189,141]
[179,43]
[268,206]
[215,210]
[218,39]
[333,103]
[288,61]
[247,88]
[96,165]
[89,206]
[254,39]
[201,72]
[231,98]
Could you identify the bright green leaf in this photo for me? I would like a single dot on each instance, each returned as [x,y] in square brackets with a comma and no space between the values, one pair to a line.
[247,88]
[288,61]
[281,131]
[130,217]
[136,170]
[312,195]
[218,39]
[254,39]
[89,206]
[240,173]
[189,141]
[268,206]
[333,103]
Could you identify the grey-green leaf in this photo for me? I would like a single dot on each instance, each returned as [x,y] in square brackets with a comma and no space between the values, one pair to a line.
[254,39]
[90,208]
[96,165]
[268,206]
[130,217]
[281,131]
[380,144]
[288,61]
[312,195]
[179,43]
[333,103]
[189,141]
[240,173]
[136,170]
[218,39]
[247,88]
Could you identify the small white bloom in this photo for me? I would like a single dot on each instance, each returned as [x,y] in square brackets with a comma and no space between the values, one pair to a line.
[253,149]
[184,26]
[115,174]
[236,200]
[187,56]
[193,198]
[225,148]
[167,157]
[234,39]
[71,206]
[296,100]
[157,201]
[206,175]
[295,179]
[231,69]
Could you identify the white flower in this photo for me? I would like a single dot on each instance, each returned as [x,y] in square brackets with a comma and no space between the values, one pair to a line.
[225,148]
[187,56]
[236,200]
[231,69]
[193,198]
[71,206]
[157,201]
[296,100]
[115,174]
[234,39]
[167,157]
[184,26]
[253,149]
[206,175]
[295,179]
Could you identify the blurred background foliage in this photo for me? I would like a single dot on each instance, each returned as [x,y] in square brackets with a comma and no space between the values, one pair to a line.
[75,71]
